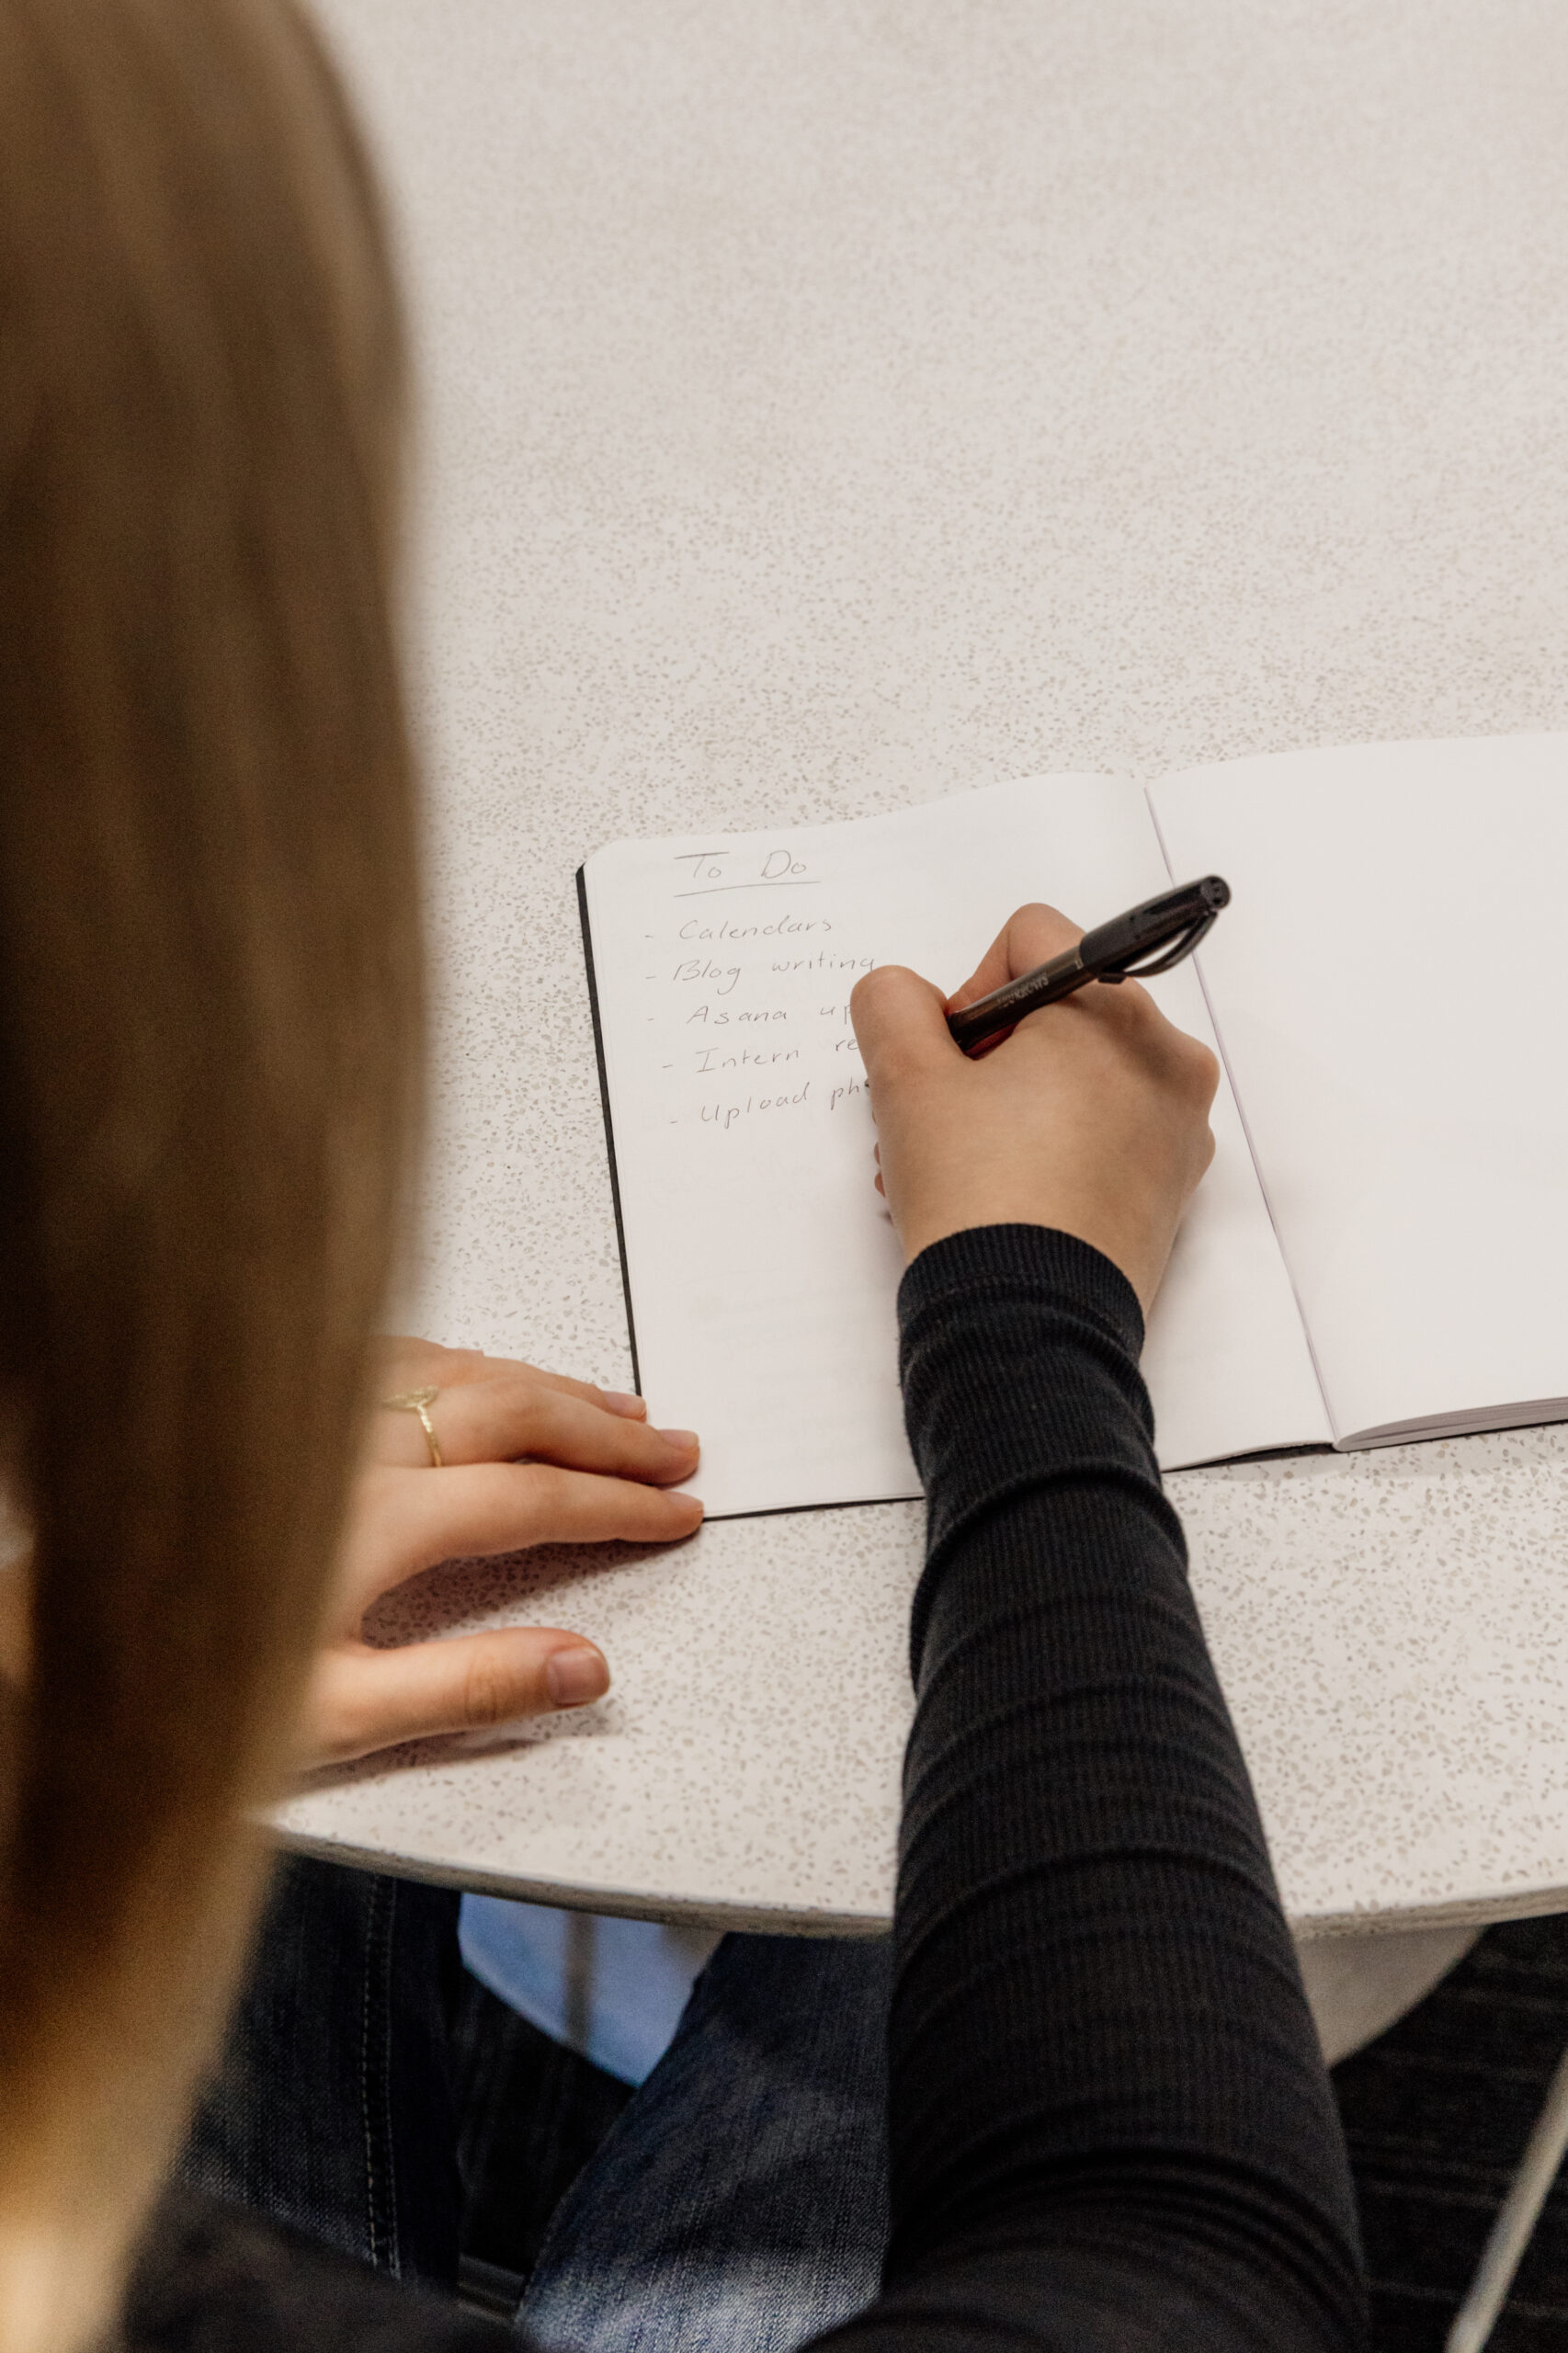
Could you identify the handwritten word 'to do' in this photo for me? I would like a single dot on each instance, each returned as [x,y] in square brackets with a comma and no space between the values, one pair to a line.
[706,870]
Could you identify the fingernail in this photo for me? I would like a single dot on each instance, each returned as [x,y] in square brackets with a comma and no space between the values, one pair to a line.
[634,1408]
[573,1678]
[684,1441]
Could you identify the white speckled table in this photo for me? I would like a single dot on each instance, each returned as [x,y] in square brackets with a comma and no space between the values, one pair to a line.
[832,406]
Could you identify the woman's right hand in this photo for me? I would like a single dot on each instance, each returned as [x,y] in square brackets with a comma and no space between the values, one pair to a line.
[526,1458]
[1092,1116]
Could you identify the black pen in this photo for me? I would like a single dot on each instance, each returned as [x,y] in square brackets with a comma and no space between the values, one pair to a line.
[1174,923]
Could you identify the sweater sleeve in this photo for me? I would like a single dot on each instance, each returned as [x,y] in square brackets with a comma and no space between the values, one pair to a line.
[1110,2123]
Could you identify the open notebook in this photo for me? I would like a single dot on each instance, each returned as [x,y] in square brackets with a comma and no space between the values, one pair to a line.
[1380,1248]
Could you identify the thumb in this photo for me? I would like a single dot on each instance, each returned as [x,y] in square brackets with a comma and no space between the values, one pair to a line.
[901,1025]
[361,1699]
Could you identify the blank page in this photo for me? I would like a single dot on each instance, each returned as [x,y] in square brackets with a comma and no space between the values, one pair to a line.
[762,1266]
[1391,987]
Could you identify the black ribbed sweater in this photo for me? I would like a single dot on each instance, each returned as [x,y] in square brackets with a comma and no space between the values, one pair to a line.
[1110,2129]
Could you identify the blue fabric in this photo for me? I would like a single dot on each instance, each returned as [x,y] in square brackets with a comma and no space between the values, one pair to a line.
[332,2107]
[612,1990]
[740,2204]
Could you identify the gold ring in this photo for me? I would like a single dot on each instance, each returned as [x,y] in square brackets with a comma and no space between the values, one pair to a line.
[419,1401]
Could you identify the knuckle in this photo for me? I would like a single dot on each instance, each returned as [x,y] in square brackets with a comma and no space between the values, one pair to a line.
[550,1497]
[873,1009]
[533,1416]
[1129,1002]
[1040,929]
[489,1693]
[545,1480]
[1200,1071]
[873,987]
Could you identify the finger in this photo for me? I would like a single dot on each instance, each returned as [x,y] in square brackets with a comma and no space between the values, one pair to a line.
[361,1699]
[522,1415]
[623,1402]
[900,1025]
[405,1521]
[403,1364]
[398,1362]
[611,1401]
[1031,936]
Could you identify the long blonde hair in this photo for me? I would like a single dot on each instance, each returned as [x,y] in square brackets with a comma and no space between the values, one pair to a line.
[208,1019]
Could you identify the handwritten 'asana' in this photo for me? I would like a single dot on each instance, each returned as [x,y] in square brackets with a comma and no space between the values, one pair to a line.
[720,1018]
[723,1116]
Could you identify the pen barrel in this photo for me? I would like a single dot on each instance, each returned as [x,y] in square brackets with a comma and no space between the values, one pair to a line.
[1174,922]
[1015,998]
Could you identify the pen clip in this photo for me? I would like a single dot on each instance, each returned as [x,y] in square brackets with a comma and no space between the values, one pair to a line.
[1186,940]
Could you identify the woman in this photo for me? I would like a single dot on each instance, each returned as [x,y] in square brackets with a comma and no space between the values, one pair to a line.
[211,1041]
[1108,2122]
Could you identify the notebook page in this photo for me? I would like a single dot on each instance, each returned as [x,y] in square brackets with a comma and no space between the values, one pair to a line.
[763,1267]
[1390,986]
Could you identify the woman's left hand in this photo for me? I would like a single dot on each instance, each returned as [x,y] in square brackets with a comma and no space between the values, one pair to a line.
[528,1458]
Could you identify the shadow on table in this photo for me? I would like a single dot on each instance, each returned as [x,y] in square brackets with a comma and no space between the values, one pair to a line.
[460,1596]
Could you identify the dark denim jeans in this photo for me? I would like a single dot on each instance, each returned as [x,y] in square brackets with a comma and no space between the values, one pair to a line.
[741,2201]
[738,2205]
[332,2107]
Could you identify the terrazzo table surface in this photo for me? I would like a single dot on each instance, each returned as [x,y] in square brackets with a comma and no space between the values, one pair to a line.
[830,406]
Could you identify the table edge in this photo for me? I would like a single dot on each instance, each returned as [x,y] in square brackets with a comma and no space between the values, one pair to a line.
[797,1920]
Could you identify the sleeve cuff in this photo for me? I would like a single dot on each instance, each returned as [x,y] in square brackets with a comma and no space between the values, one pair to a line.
[1082,1277]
